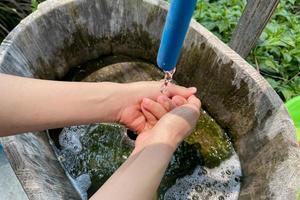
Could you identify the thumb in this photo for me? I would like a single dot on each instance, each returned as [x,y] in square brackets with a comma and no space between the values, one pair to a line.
[174,90]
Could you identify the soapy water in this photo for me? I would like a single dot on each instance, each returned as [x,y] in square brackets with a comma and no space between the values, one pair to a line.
[69,141]
[167,80]
[220,183]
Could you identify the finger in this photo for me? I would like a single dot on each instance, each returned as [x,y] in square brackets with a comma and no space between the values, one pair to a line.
[193,100]
[174,90]
[150,118]
[179,100]
[138,124]
[153,107]
[166,103]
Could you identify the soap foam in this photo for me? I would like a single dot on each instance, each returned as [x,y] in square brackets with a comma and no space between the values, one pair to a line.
[219,183]
[69,140]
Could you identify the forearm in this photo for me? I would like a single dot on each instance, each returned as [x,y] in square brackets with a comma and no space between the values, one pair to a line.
[31,105]
[140,176]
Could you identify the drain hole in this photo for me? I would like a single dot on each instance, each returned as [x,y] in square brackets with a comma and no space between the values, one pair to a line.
[131,134]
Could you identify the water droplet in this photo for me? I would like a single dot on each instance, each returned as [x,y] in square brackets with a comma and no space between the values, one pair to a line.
[228,172]
[208,185]
[198,188]
[195,197]
[209,193]
[221,198]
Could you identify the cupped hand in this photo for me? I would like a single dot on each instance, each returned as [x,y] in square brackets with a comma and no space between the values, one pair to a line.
[131,113]
[174,126]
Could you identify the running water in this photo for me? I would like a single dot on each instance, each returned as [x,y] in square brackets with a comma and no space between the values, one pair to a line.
[167,79]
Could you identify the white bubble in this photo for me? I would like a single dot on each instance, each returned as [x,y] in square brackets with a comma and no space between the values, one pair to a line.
[70,138]
[219,183]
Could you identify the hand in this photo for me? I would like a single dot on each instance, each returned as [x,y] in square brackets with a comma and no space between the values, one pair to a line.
[131,113]
[146,165]
[154,110]
[174,126]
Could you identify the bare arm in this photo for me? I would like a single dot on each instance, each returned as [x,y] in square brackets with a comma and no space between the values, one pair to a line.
[139,177]
[31,105]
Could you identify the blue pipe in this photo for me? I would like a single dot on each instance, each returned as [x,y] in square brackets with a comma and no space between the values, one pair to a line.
[176,27]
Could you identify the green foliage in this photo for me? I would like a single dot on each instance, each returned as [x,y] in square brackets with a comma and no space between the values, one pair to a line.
[34,5]
[277,54]
[278,51]
[11,12]
[219,16]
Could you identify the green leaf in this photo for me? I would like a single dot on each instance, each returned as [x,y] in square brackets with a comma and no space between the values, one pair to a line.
[287,57]
[34,5]
[288,93]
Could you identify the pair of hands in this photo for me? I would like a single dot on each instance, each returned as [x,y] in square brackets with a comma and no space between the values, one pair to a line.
[159,118]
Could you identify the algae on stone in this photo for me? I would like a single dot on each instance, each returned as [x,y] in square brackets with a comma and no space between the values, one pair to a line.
[211,141]
[104,149]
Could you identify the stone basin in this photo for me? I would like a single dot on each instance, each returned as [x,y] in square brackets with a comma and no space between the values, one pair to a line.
[63,34]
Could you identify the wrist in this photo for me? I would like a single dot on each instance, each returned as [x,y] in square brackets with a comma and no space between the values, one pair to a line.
[166,137]
[156,137]
[109,100]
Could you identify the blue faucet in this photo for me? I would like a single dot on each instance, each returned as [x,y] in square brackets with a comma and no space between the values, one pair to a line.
[176,27]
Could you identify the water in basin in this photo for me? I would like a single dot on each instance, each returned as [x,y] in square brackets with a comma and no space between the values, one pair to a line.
[205,165]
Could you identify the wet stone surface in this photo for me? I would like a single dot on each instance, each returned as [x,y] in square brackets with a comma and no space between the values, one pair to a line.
[104,147]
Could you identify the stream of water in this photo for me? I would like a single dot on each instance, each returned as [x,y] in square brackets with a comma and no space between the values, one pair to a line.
[168,78]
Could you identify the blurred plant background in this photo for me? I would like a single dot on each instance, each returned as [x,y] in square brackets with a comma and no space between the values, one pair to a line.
[276,56]
[12,11]
[277,53]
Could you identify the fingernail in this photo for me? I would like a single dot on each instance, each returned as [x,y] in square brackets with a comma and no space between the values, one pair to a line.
[193,89]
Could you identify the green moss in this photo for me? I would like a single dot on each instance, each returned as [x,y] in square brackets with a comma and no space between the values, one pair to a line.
[80,47]
[211,141]
[153,14]
[105,148]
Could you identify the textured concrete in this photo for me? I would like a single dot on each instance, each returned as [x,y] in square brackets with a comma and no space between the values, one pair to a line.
[10,187]
[67,33]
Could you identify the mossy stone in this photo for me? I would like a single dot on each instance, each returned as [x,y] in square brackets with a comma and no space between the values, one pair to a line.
[211,141]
